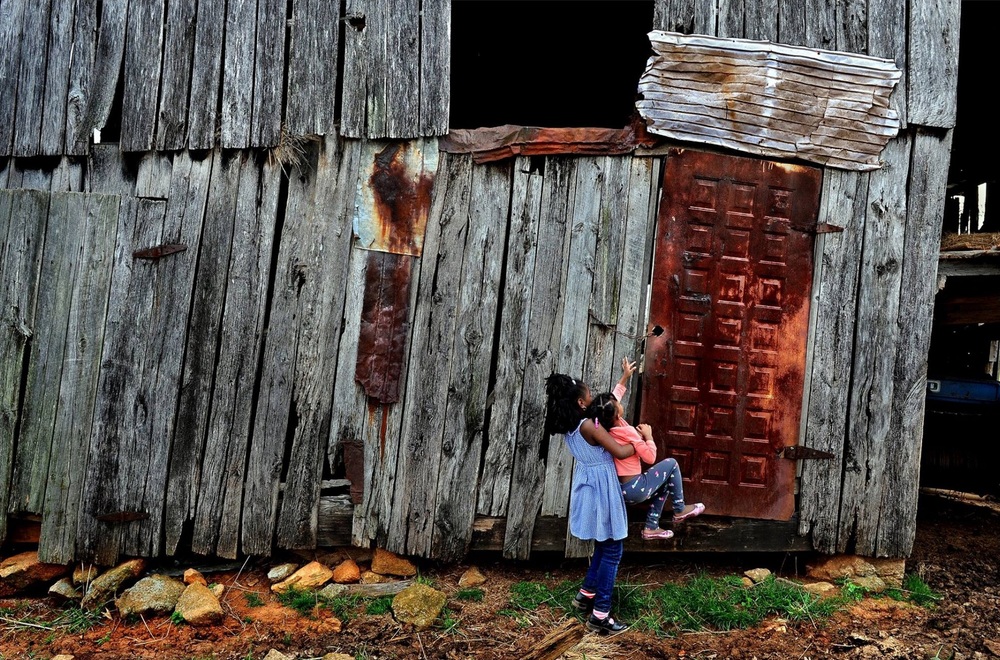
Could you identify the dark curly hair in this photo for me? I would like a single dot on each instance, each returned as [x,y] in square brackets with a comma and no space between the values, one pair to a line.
[602,409]
[562,412]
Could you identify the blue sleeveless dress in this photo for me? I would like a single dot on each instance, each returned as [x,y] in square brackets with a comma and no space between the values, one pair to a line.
[596,505]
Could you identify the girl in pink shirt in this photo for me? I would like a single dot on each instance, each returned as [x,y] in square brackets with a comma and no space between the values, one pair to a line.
[655,484]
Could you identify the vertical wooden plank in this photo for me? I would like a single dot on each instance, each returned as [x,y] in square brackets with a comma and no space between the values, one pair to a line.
[63,235]
[821,24]
[110,171]
[56,91]
[206,73]
[31,79]
[544,326]
[312,89]
[11,20]
[835,300]
[732,17]
[522,243]
[77,132]
[22,223]
[431,345]
[153,179]
[68,175]
[792,22]
[465,413]
[6,165]
[435,66]
[175,79]
[269,73]
[933,62]
[184,483]
[107,68]
[675,15]
[927,183]
[78,384]
[887,38]
[852,26]
[237,74]
[218,517]
[761,20]
[143,56]
[874,350]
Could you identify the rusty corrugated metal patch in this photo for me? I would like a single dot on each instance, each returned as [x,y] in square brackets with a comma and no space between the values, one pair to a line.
[500,142]
[767,99]
[394,195]
[384,325]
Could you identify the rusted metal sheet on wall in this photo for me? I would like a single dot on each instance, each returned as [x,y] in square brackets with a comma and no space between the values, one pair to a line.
[729,311]
[384,325]
[394,195]
[827,107]
[507,141]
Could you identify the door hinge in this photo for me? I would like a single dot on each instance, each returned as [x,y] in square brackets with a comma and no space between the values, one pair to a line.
[159,251]
[818,228]
[797,453]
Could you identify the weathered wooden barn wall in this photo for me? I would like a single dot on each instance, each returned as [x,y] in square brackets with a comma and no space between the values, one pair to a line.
[205,398]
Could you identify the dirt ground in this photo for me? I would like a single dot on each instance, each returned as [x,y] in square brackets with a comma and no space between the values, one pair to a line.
[957,553]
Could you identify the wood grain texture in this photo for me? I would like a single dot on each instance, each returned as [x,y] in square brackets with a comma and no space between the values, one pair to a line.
[932,85]
[851,27]
[81,367]
[927,183]
[31,79]
[23,217]
[835,292]
[153,179]
[821,24]
[175,78]
[865,452]
[268,74]
[107,70]
[314,40]
[465,407]
[206,74]
[732,18]
[512,356]
[11,21]
[143,56]
[887,38]
[56,91]
[81,71]
[237,74]
[761,20]
[435,66]
[792,22]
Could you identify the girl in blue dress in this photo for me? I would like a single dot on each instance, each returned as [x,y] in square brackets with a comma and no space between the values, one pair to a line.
[596,504]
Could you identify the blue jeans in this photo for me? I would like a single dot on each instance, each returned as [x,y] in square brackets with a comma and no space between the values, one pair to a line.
[656,484]
[603,570]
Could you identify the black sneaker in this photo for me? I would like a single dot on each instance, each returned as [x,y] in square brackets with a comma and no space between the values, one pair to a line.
[582,603]
[607,626]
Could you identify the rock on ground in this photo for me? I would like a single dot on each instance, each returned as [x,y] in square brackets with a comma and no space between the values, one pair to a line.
[84,573]
[192,575]
[64,589]
[820,588]
[758,575]
[281,572]
[21,571]
[347,572]
[310,576]
[387,563]
[371,577]
[199,606]
[473,577]
[837,567]
[104,586]
[419,605]
[275,654]
[337,656]
[155,594]
[873,584]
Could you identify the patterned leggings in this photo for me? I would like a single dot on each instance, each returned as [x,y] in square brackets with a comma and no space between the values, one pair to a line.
[656,484]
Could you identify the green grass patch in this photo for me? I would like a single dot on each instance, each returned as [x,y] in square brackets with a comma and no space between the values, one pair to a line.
[918,591]
[448,620]
[302,601]
[378,606]
[475,595]
[253,599]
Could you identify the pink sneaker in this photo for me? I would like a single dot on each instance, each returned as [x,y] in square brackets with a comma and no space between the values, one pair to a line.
[656,534]
[690,511]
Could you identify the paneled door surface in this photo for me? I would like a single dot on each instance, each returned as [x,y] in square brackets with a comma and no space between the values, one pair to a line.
[729,313]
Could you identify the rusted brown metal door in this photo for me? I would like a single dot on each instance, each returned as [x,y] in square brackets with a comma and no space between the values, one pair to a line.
[729,312]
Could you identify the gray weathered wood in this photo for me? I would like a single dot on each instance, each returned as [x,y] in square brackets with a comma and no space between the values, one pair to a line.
[312,67]
[431,345]
[792,20]
[78,384]
[22,224]
[761,20]
[56,91]
[63,237]
[268,74]
[206,72]
[153,178]
[220,499]
[31,79]
[465,411]
[835,291]
[933,62]
[110,171]
[874,351]
[821,24]
[852,26]
[552,249]
[927,181]
[11,20]
[143,56]
[237,74]
[435,66]
[512,356]
[68,175]
[887,38]
[77,133]
[106,71]
[381,88]
[732,19]
[175,78]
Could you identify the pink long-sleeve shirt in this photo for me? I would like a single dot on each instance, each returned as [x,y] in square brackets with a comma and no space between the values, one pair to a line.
[624,434]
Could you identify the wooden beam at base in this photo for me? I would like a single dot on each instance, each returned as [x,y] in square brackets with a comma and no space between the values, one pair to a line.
[702,535]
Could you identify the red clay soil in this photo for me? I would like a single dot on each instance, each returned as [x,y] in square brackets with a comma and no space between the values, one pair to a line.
[957,553]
